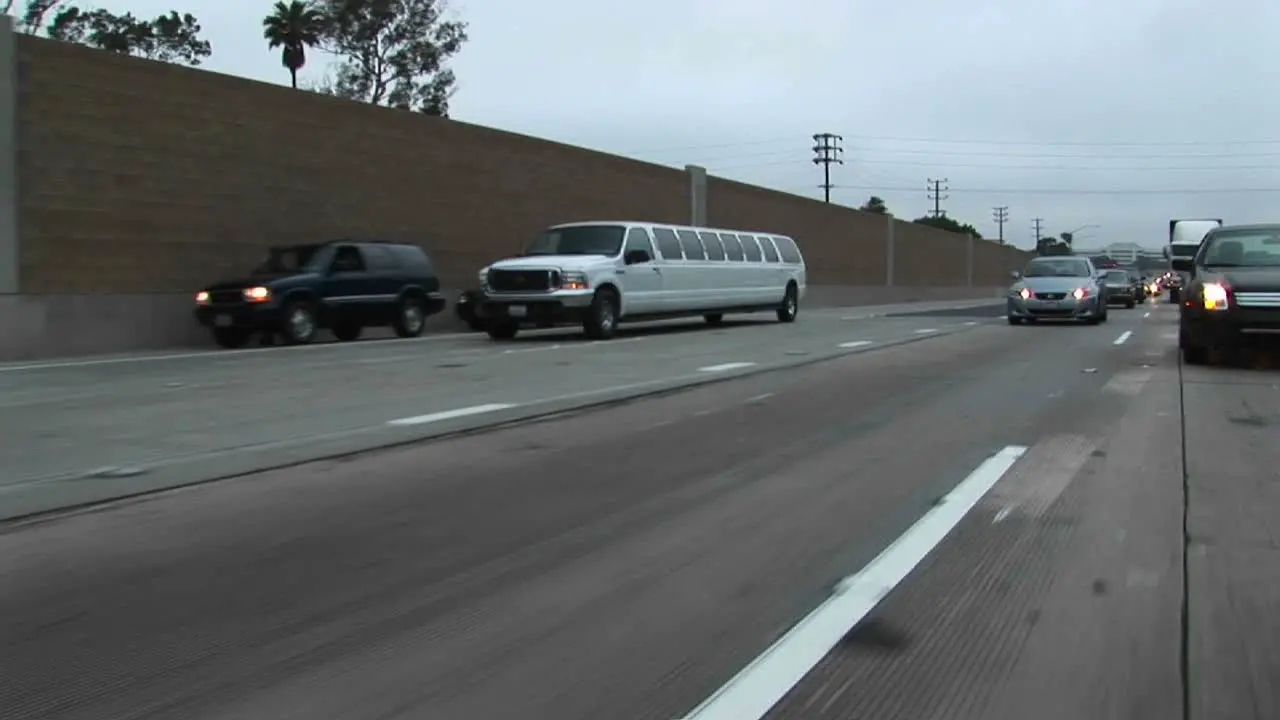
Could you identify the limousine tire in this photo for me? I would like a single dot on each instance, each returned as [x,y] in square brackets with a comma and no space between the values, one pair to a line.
[790,304]
[601,322]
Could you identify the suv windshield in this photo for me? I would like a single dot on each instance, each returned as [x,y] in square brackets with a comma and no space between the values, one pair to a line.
[1255,248]
[287,260]
[578,240]
[1041,267]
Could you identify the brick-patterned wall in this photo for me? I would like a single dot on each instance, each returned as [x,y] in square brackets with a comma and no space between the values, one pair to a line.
[140,177]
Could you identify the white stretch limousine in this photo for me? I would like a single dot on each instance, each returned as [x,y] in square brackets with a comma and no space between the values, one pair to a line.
[601,273]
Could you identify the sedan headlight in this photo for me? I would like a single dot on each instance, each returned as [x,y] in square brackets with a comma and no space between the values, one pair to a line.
[1216,296]
[1023,293]
[1080,293]
[574,280]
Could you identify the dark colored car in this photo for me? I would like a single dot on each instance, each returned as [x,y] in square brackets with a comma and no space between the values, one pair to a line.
[1233,296]
[343,285]
[1120,289]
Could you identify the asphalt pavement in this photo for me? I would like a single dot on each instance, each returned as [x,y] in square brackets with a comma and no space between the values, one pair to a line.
[946,517]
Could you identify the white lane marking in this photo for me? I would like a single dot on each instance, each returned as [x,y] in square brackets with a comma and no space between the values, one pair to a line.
[725,367]
[450,414]
[926,331]
[1146,315]
[855,344]
[971,323]
[1004,513]
[753,692]
[759,398]
[56,364]
[1046,470]
[532,349]
[1124,337]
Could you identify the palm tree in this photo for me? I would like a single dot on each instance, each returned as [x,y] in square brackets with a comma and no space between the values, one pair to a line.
[294,27]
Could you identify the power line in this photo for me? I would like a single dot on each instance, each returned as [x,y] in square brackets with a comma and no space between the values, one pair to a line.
[1038,224]
[975,141]
[827,150]
[1077,191]
[1001,214]
[935,194]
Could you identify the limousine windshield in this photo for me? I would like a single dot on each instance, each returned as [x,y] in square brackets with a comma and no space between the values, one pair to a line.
[578,240]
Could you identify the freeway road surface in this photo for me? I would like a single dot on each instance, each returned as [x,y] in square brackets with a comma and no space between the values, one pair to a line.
[986,522]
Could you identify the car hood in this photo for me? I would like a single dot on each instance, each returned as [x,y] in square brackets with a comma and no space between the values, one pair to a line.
[249,281]
[1254,279]
[542,262]
[1053,284]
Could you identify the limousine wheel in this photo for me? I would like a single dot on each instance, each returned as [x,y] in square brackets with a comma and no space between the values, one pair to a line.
[790,305]
[601,322]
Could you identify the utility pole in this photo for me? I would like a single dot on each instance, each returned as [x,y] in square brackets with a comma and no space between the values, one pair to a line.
[1001,216]
[936,188]
[1039,225]
[827,150]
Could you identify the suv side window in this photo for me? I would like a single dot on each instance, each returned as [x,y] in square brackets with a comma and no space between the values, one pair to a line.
[380,259]
[347,259]
[638,239]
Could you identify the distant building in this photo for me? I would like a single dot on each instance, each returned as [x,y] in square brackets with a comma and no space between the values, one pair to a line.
[1125,253]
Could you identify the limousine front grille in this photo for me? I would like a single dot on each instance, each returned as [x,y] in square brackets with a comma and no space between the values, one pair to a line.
[523,280]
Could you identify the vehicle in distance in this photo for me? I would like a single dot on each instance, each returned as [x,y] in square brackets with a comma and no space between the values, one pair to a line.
[343,285]
[1233,297]
[1185,238]
[598,274]
[1120,288]
[1061,288]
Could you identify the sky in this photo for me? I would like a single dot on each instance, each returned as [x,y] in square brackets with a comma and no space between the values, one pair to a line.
[1110,117]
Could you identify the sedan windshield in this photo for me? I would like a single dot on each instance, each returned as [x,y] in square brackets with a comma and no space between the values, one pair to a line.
[578,240]
[1243,249]
[1057,267]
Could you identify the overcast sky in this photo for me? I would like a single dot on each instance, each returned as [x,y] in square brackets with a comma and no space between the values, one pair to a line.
[1083,112]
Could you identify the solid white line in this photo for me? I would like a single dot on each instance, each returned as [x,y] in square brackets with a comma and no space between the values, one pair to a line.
[760,397]
[726,366]
[971,323]
[1124,336]
[56,364]
[855,343]
[450,414]
[926,331]
[753,692]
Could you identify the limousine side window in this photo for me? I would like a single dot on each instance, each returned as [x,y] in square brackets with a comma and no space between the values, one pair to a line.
[637,239]
[715,251]
[770,252]
[788,250]
[732,248]
[668,244]
[692,247]
[750,248]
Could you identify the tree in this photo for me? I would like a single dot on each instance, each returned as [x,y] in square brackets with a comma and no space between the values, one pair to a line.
[1052,246]
[1066,238]
[875,204]
[942,222]
[171,37]
[393,52]
[293,28]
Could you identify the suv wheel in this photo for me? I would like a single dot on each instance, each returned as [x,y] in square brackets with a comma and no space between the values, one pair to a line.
[299,323]
[411,318]
[601,322]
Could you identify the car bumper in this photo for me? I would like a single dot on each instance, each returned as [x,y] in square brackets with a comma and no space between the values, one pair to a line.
[1115,297]
[1069,309]
[559,309]
[240,317]
[1236,327]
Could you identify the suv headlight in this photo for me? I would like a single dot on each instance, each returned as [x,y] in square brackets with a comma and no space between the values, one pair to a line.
[483,278]
[574,280]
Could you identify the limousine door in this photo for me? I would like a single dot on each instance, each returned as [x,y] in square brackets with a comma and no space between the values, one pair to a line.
[641,281]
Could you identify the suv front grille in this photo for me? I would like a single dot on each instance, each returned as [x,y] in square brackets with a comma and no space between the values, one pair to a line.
[223,297]
[523,280]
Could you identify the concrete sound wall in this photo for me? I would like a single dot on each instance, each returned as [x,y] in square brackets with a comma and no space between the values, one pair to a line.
[135,182]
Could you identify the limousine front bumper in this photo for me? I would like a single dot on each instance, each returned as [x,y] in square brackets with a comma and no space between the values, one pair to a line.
[557,308]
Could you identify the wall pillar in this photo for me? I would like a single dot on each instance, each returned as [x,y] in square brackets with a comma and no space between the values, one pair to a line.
[10,240]
[890,248]
[970,251]
[697,194]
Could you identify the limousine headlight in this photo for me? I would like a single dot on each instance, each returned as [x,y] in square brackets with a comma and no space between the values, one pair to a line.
[571,280]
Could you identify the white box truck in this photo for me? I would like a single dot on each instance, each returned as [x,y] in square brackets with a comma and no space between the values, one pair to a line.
[1185,237]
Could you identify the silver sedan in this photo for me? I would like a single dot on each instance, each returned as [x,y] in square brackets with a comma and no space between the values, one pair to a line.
[1063,288]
